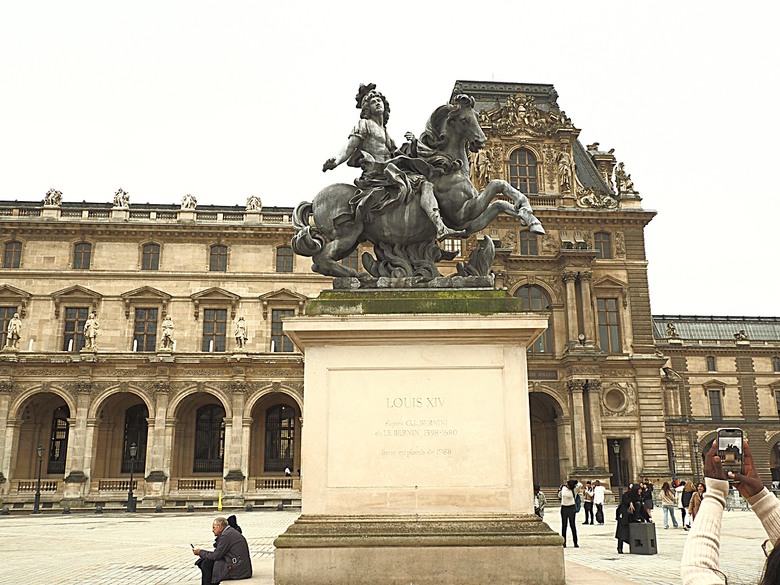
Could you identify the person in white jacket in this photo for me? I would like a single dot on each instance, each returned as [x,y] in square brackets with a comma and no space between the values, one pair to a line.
[701,555]
[598,501]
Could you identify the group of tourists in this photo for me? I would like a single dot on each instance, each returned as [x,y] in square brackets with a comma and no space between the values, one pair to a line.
[701,506]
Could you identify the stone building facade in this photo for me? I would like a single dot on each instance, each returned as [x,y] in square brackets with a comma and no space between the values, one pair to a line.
[215,406]
[722,372]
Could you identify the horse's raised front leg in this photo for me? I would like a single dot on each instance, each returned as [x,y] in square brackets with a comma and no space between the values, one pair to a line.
[492,211]
[522,208]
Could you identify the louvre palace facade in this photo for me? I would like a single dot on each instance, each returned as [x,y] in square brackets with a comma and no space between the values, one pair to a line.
[156,330]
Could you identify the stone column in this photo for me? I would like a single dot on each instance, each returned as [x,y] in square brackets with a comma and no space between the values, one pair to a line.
[596,436]
[588,322]
[564,447]
[156,440]
[233,489]
[6,437]
[572,329]
[580,445]
[75,478]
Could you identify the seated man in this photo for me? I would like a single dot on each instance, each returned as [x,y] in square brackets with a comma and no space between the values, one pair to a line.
[230,558]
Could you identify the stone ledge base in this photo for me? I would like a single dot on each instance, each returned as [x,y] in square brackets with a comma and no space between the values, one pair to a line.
[403,550]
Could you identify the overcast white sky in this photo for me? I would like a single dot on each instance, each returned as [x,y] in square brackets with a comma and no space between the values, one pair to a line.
[230,99]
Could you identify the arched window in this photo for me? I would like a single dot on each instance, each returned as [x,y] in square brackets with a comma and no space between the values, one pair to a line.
[135,432]
[58,447]
[218,258]
[150,257]
[284,259]
[528,244]
[711,364]
[209,439]
[603,244]
[776,364]
[82,255]
[279,438]
[534,298]
[12,255]
[523,172]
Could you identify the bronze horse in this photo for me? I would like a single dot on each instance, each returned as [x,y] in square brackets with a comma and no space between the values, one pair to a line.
[403,236]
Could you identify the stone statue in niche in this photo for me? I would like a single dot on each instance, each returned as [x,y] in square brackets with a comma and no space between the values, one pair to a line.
[405,201]
[91,327]
[166,341]
[13,333]
[241,336]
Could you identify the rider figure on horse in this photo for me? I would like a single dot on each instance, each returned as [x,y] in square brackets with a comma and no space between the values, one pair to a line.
[389,177]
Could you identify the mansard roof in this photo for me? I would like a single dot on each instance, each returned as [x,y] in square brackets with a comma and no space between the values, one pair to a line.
[717,327]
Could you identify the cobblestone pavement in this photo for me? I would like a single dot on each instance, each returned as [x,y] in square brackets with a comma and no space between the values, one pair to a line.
[154,549]
[742,559]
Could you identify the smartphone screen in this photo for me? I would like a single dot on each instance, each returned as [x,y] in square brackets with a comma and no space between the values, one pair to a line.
[730,449]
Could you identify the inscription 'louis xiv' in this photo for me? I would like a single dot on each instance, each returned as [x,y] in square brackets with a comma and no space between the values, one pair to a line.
[415,402]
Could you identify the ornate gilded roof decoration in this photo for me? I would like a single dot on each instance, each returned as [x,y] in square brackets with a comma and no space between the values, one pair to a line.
[521,115]
[590,198]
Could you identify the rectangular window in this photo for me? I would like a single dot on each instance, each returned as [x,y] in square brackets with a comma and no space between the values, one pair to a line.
[6,313]
[145,331]
[603,244]
[279,341]
[284,259]
[214,328]
[716,409]
[12,255]
[528,244]
[82,255]
[609,325]
[777,399]
[73,339]
[150,258]
[218,258]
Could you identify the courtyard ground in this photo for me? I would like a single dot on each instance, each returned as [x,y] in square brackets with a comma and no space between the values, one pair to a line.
[154,549]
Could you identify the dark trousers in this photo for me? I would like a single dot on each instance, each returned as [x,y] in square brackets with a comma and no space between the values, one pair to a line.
[207,568]
[588,512]
[569,515]
[600,513]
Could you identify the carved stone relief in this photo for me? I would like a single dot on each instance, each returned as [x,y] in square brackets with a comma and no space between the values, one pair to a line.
[620,245]
[618,399]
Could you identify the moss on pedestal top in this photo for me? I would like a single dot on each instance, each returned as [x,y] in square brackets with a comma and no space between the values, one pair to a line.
[394,302]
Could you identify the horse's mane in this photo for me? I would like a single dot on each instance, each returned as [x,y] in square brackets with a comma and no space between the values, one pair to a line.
[433,139]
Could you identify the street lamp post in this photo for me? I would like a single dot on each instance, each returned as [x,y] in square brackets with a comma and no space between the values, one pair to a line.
[130,499]
[616,449]
[37,504]
[695,455]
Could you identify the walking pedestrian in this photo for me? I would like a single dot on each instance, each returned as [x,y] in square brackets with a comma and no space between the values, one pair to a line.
[598,501]
[685,499]
[587,502]
[540,501]
[693,507]
[568,492]
[668,503]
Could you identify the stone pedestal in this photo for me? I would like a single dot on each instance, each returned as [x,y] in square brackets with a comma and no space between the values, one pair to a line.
[417,450]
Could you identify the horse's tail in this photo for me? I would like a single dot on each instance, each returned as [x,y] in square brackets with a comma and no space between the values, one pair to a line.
[307,241]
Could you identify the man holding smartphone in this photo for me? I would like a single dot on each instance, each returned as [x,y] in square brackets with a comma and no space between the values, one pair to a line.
[230,558]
